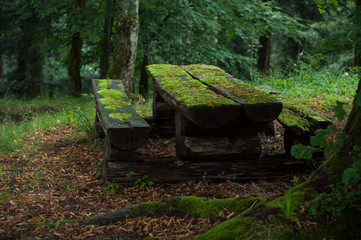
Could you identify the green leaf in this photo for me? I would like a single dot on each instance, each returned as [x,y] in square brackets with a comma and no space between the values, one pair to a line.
[339,111]
[320,136]
[334,2]
[352,173]
[322,11]
[301,151]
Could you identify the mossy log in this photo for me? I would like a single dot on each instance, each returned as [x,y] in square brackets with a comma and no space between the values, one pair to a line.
[192,98]
[257,105]
[125,129]
[180,206]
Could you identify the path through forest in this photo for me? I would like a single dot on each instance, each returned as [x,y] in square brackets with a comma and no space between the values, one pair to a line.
[47,191]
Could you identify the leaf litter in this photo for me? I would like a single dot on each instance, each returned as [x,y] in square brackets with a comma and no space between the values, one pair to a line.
[46,192]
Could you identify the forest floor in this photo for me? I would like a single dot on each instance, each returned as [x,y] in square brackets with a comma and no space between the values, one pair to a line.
[46,192]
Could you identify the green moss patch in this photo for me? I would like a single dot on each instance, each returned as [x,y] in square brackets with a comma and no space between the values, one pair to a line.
[113,99]
[220,79]
[187,90]
[299,117]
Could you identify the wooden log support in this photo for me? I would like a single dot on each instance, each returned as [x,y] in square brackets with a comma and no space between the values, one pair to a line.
[257,104]
[163,122]
[300,123]
[192,98]
[192,142]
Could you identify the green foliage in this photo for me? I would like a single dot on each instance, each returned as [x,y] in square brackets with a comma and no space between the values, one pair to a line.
[305,82]
[339,111]
[111,188]
[300,151]
[83,120]
[144,181]
[23,135]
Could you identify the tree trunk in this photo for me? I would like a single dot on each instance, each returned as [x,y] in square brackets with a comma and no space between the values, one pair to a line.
[75,58]
[264,53]
[143,83]
[125,49]
[357,23]
[2,65]
[29,71]
[107,33]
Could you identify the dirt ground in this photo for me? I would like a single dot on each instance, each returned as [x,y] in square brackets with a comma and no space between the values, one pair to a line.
[46,192]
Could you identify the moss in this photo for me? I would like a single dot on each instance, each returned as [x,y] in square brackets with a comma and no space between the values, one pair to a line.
[148,208]
[113,99]
[218,77]
[294,198]
[234,228]
[293,120]
[189,91]
[297,116]
[203,208]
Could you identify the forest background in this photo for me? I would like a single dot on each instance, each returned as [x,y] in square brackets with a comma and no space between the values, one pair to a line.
[307,50]
[47,45]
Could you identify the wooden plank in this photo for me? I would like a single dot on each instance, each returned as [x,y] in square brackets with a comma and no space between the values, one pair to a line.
[257,104]
[124,127]
[170,170]
[192,98]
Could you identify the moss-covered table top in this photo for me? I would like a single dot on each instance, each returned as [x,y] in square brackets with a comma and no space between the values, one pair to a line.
[210,97]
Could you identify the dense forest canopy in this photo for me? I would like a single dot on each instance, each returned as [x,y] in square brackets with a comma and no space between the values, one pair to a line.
[47,45]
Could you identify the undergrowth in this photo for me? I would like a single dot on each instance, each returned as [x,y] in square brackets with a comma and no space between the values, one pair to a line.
[22,121]
[319,88]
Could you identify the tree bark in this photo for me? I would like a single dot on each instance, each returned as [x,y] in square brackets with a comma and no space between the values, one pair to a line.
[127,27]
[264,53]
[357,23]
[107,33]
[2,65]
[29,72]
[75,58]
[143,82]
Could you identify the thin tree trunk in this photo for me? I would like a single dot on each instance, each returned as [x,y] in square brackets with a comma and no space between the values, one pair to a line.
[357,23]
[264,53]
[143,83]
[125,49]
[107,33]
[2,65]
[29,71]
[75,58]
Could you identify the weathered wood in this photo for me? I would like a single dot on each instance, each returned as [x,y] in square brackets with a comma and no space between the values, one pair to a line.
[193,99]
[170,170]
[161,109]
[257,105]
[98,129]
[214,146]
[240,127]
[129,133]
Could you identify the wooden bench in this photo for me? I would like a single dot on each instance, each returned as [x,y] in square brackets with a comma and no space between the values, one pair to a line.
[125,132]
[215,118]
[217,115]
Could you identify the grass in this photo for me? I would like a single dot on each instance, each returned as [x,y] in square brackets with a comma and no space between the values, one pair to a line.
[23,121]
[318,88]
